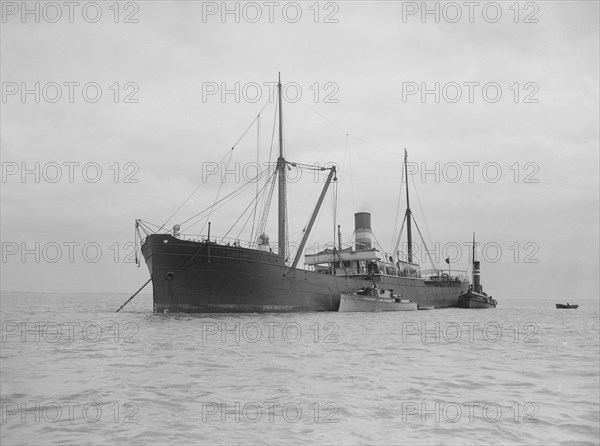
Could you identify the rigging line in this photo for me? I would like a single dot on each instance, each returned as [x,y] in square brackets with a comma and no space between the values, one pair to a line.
[435,266]
[422,210]
[252,236]
[335,205]
[324,118]
[266,207]
[220,187]
[381,248]
[238,219]
[222,202]
[347,148]
[258,167]
[146,225]
[266,200]
[287,230]
[376,146]
[191,195]
[347,133]
[398,211]
[396,251]
[254,120]
[242,214]
[228,154]
[238,190]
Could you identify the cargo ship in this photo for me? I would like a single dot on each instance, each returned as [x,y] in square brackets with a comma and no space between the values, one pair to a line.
[208,274]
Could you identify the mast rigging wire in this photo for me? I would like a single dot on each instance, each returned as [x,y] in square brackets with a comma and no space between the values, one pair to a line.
[229,152]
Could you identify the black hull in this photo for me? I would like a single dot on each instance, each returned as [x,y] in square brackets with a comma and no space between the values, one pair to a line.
[471,299]
[200,277]
[566,307]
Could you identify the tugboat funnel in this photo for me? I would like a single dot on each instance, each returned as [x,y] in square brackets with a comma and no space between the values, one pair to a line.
[476,277]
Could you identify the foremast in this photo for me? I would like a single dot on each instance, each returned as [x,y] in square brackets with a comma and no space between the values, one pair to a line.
[281,177]
[282,205]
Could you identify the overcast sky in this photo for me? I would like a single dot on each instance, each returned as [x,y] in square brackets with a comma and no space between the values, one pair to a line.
[122,109]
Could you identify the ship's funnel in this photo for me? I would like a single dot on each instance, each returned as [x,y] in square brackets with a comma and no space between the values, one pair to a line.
[363,235]
[476,277]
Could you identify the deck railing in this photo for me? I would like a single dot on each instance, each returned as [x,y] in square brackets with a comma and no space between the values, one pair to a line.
[227,241]
[441,274]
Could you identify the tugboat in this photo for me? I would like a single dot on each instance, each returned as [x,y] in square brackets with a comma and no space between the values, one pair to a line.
[474,297]
[374,299]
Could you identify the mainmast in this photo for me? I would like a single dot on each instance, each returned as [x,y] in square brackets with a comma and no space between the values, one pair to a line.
[408,214]
[281,174]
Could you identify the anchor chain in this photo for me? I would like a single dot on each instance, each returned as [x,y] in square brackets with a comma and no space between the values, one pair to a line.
[134,294]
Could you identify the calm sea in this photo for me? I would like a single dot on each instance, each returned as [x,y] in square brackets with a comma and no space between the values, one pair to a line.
[75,372]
